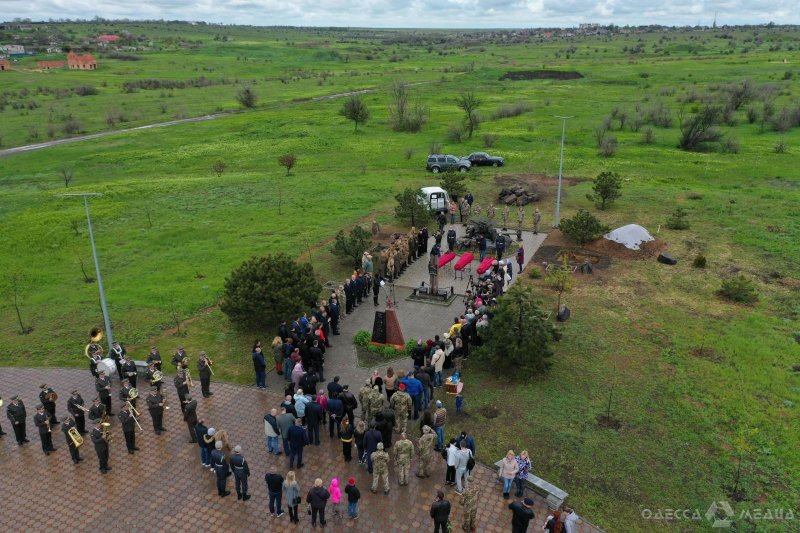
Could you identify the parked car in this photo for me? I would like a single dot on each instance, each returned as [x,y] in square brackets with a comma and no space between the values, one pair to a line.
[482,159]
[440,163]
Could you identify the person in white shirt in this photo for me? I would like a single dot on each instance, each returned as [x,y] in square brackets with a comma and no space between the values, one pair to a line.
[571,521]
[450,475]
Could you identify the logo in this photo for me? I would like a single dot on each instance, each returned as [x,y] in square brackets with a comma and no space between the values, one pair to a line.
[720,513]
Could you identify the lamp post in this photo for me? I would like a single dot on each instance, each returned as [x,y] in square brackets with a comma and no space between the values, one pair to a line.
[86,196]
[560,169]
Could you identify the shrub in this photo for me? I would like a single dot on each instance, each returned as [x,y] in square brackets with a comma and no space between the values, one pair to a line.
[649,136]
[781,147]
[752,114]
[455,132]
[353,246]
[436,148]
[72,126]
[512,110]
[288,161]
[608,146]
[247,97]
[678,220]
[739,289]
[409,152]
[583,227]
[535,273]
[362,338]
[489,140]
[607,187]
[219,167]
[264,290]
[700,129]
[731,146]
[85,90]
[699,261]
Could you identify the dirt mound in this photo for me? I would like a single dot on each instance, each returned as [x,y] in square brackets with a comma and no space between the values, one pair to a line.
[647,250]
[518,75]
[573,255]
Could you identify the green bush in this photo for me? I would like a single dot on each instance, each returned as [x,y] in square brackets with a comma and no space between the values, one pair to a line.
[699,261]
[362,337]
[739,289]
[410,345]
[583,227]
[535,273]
[678,220]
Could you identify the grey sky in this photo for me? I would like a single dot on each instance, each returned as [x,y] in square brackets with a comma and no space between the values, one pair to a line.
[418,13]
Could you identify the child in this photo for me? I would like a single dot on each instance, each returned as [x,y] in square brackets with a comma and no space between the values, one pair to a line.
[459,403]
[353,495]
[336,497]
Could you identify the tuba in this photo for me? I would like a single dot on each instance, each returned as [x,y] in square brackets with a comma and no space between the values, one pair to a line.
[75,437]
[157,377]
[93,348]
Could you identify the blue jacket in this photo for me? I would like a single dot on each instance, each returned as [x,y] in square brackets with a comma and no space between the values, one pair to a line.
[298,437]
[413,386]
[371,440]
[258,361]
[336,407]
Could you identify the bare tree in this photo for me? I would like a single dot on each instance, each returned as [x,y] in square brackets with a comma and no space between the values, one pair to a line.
[75,224]
[219,167]
[15,285]
[399,107]
[86,277]
[68,174]
[700,129]
[469,103]
[355,109]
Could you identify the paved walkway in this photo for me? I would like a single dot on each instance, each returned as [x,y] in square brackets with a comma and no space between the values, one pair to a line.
[163,487]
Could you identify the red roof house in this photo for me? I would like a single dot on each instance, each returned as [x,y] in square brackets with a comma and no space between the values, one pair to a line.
[50,64]
[4,64]
[84,62]
[108,38]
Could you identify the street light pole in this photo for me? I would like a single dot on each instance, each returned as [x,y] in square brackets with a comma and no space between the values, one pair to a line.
[560,169]
[103,306]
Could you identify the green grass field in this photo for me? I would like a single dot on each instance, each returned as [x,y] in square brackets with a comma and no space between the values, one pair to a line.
[169,230]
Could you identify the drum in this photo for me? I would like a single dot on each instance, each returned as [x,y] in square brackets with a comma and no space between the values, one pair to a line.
[108,366]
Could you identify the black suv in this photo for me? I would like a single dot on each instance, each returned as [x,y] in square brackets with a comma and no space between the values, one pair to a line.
[439,163]
[482,159]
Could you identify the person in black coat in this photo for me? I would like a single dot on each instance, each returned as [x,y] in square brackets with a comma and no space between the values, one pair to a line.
[521,515]
[451,239]
[42,421]
[128,428]
[100,447]
[336,410]
[349,401]
[317,498]
[376,288]
[371,440]
[298,439]
[190,417]
[313,420]
[440,512]
[387,427]
[16,414]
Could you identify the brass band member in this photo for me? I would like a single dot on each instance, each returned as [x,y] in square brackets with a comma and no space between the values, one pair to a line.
[97,412]
[42,421]
[68,424]
[125,393]
[179,359]
[128,428]
[204,371]
[16,414]
[94,351]
[129,371]
[155,404]
[103,386]
[151,370]
[182,386]
[101,446]
[190,417]
[118,353]
[48,398]
[74,404]
[154,357]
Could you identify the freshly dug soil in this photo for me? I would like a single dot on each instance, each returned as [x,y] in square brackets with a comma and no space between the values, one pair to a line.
[604,247]
[517,75]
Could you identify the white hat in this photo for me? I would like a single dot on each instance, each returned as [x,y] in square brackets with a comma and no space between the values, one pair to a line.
[237,449]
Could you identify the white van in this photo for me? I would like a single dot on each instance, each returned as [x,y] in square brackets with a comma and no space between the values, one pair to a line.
[436,198]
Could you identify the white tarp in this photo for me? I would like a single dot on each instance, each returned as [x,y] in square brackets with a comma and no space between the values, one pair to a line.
[630,236]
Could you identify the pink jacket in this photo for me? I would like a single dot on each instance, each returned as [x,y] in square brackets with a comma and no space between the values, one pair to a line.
[336,493]
[322,400]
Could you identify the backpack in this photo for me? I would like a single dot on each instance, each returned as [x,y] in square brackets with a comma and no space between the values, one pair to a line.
[444,454]
[470,463]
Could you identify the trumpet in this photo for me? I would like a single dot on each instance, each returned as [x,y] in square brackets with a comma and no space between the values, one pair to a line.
[77,439]
[47,421]
[188,378]
[82,408]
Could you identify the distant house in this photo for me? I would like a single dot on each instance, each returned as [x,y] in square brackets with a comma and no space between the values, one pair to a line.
[14,49]
[50,64]
[106,39]
[4,64]
[54,49]
[78,62]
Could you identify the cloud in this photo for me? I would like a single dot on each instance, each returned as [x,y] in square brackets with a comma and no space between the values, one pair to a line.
[418,13]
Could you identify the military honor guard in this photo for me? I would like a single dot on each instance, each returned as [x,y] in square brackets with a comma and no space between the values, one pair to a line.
[220,467]
[154,358]
[179,359]
[205,372]
[241,471]
[154,376]
[97,412]
[48,398]
[129,371]
[16,414]
[128,393]
[42,421]
[190,417]
[182,387]
[73,437]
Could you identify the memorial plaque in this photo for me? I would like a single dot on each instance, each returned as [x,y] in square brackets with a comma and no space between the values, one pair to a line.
[379,328]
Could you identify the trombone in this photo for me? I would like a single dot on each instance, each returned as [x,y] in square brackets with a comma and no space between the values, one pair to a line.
[188,377]
[134,414]
[82,408]
[209,362]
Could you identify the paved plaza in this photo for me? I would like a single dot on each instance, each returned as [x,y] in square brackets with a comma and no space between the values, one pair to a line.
[164,487]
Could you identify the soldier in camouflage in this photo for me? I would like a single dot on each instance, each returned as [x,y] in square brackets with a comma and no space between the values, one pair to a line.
[401,405]
[380,469]
[403,453]
[363,401]
[375,401]
[470,502]
[424,449]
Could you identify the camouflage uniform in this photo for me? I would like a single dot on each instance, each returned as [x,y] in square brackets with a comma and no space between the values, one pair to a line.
[505,216]
[400,404]
[520,215]
[375,400]
[490,211]
[470,502]
[403,453]
[380,469]
[424,449]
[363,401]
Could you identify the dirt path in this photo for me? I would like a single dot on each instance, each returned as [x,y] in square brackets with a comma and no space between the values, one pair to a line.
[48,144]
